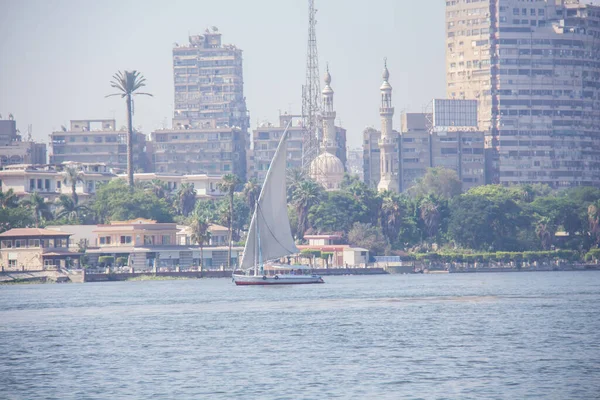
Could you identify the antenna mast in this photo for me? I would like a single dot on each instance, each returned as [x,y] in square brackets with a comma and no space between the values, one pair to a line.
[311,95]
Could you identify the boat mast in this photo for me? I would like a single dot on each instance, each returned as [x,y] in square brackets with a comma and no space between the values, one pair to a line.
[256,241]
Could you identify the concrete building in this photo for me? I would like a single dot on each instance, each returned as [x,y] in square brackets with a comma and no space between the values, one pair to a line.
[14,150]
[342,254]
[34,249]
[354,163]
[266,137]
[209,84]
[326,169]
[146,244]
[97,141]
[534,69]
[212,151]
[388,141]
[416,148]
[47,180]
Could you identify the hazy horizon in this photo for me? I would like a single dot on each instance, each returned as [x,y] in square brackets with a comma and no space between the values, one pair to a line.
[58,58]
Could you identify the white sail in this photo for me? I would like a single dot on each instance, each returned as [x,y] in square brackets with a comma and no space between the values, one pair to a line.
[273,232]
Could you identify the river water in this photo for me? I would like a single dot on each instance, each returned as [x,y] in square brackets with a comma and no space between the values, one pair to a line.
[459,336]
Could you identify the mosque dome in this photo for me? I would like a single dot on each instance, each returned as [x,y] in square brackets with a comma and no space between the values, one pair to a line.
[327,170]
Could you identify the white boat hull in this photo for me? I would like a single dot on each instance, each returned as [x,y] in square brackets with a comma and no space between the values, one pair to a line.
[284,279]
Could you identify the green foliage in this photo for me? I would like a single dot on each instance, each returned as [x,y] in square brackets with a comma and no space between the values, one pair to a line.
[369,237]
[114,202]
[337,213]
[439,182]
[311,253]
[106,260]
[593,254]
[16,217]
[121,260]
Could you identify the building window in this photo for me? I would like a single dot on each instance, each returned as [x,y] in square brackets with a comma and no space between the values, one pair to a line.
[20,243]
[6,244]
[12,263]
[166,239]
[125,239]
[148,239]
[34,242]
[32,184]
[58,184]
[105,240]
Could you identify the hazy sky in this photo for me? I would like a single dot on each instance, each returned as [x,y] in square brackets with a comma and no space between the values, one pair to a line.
[58,56]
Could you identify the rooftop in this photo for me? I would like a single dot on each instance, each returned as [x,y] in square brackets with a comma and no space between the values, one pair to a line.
[23,232]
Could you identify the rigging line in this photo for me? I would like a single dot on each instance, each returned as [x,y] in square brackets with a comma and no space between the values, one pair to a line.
[273,235]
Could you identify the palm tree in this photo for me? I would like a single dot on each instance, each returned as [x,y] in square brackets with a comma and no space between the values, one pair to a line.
[200,235]
[128,83]
[8,199]
[186,198]
[227,185]
[430,214]
[72,176]
[69,209]
[159,188]
[307,193]
[544,232]
[390,215]
[41,210]
[294,177]
[251,192]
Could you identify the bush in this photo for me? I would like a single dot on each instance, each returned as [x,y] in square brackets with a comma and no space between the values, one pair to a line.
[106,260]
[311,253]
[122,261]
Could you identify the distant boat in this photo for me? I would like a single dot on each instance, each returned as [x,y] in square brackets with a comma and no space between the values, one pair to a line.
[270,236]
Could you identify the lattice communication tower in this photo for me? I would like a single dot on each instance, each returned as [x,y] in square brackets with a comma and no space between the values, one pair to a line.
[311,95]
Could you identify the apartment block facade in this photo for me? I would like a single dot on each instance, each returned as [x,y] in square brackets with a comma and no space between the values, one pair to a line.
[534,67]
[266,137]
[212,151]
[14,150]
[209,84]
[97,141]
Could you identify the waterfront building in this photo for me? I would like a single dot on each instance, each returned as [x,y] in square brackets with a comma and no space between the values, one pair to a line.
[265,139]
[388,141]
[146,243]
[47,180]
[211,151]
[14,150]
[416,148]
[341,254]
[97,141]
[327,169]
[534,68]
[209,84]
[34,249]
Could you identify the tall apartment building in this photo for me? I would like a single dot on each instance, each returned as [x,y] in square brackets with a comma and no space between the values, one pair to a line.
[354,163]
[534,67]
[209,85]
[97,141]
[266,137]
[14,150]
[213,151]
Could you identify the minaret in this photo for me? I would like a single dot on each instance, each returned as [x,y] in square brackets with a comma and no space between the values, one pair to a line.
[327,169]
[387,142]
[329,144]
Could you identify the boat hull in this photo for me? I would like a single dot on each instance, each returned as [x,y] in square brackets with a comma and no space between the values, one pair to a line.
[249,280]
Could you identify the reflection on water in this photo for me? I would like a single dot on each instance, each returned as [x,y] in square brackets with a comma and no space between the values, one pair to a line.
[514,335]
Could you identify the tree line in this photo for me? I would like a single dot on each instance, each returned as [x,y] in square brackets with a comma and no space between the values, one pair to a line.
[432,216]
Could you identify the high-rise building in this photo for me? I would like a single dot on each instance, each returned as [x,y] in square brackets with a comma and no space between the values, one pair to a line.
[209,85]
[534,67]
[97,141]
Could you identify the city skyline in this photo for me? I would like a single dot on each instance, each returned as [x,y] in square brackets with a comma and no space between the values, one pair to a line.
[65,72]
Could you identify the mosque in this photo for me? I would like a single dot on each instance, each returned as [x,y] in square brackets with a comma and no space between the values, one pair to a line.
[328,170]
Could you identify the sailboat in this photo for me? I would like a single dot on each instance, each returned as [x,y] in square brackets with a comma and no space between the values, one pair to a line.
[270,236]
